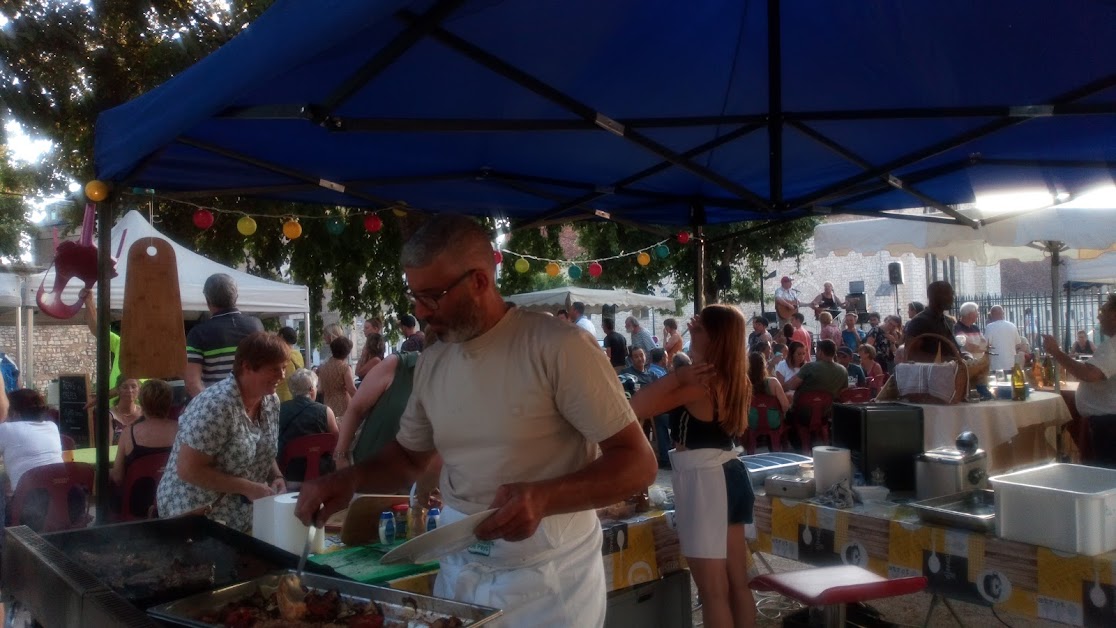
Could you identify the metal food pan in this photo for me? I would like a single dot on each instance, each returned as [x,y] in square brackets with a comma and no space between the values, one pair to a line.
[973,510]
[185,612]
[191,540]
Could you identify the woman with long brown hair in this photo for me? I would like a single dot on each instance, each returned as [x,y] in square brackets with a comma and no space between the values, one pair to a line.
[713,495]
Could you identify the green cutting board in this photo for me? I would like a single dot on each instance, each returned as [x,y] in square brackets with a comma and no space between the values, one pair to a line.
[363,564]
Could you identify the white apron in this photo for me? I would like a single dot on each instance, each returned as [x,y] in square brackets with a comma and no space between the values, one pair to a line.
[701,501]
[554,578]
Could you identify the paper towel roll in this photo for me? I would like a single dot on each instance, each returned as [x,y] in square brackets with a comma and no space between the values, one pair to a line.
[831,465]
[273,521]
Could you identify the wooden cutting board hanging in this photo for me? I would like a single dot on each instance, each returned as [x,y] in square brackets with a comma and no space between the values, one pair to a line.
[152,334]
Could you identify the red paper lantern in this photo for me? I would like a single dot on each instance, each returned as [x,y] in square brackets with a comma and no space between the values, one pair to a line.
[498,256]
[683,237]
[372,223]
[203,219]
[595,270]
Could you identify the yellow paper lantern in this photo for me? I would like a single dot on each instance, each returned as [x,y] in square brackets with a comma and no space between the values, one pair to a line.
[552,269]
[292,229]
[96,191]
[246,225]
[522,265]
[643,258]
[400,210]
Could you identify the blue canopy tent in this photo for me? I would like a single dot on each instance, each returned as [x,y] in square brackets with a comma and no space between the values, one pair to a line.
[634,109]
[638,111]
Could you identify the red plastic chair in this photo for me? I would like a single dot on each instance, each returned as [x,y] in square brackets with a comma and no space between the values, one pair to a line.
[855,395]
[68,444]
[150,467]
[829,589]
[56,480]
[761,403]
[816,406]
[312,448]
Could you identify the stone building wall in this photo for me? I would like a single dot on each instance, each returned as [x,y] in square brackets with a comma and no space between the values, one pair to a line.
[58,349]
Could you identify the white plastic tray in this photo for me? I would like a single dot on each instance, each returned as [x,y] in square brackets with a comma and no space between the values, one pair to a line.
[1067,507]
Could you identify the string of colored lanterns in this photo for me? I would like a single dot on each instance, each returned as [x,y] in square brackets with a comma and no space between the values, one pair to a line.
[203,218]
[553,267]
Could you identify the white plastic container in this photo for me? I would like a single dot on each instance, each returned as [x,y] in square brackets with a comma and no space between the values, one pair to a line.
[1067,507]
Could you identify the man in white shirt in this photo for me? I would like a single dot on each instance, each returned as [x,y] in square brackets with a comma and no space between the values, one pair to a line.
[1003,340]
[528,417]
[1096,392]
[581,320]
[786,301]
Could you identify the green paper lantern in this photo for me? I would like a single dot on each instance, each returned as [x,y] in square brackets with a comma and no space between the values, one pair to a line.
[662,251]
[574,272]
[335,226]
[522,265]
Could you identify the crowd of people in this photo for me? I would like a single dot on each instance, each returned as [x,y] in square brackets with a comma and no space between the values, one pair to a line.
[468,401]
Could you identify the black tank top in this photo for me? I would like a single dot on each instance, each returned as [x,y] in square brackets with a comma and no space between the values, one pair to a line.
[694,433]
[138,450]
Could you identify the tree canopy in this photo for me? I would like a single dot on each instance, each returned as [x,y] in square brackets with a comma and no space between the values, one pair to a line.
[64,61]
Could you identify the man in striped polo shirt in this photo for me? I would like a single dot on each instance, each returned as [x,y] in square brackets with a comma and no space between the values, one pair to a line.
[211,345]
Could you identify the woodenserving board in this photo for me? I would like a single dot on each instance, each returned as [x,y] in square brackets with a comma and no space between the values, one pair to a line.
[152,334]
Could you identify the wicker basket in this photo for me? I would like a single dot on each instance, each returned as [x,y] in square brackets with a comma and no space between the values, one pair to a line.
[960,373]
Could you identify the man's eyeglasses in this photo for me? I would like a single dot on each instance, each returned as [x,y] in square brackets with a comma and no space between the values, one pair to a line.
[430,300]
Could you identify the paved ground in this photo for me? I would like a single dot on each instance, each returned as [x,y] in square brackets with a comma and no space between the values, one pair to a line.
[908,610]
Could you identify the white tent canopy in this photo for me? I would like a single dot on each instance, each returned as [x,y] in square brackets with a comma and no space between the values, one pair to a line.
[1100,269]
[1075,232]
[11,285]
[1086,232]
[557,298]
[257,295]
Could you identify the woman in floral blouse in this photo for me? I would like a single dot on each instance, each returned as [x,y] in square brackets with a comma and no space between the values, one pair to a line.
[224,455]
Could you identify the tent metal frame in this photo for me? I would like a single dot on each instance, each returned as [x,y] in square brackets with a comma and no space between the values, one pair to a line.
[872,181]
[843,196]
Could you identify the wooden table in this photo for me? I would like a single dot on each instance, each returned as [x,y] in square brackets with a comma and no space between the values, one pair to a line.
[1012,432]
[88,455]
[889,540]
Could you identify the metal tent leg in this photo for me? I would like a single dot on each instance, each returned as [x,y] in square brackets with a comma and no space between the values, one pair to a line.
[933,603]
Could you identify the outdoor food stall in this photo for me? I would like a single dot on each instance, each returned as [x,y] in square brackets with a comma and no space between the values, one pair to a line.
[190,571]
[1037,542]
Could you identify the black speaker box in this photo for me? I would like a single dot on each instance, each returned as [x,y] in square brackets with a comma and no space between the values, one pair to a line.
[895,273]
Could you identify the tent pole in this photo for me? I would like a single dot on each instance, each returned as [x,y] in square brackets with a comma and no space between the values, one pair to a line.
[29,368]
[697,218]
[101,413]
[19,332]
[1055,253]
[775,102]
[306,357]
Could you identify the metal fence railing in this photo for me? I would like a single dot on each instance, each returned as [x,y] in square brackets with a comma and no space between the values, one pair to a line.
[1031,313]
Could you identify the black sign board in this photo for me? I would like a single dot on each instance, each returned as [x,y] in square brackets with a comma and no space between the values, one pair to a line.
[73,418]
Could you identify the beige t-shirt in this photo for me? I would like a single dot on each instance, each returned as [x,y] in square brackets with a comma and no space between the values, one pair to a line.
[527,401]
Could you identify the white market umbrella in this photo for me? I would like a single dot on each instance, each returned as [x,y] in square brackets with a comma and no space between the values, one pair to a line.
[558,298]
[1083,233]
[1100,269]
[1074,232]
